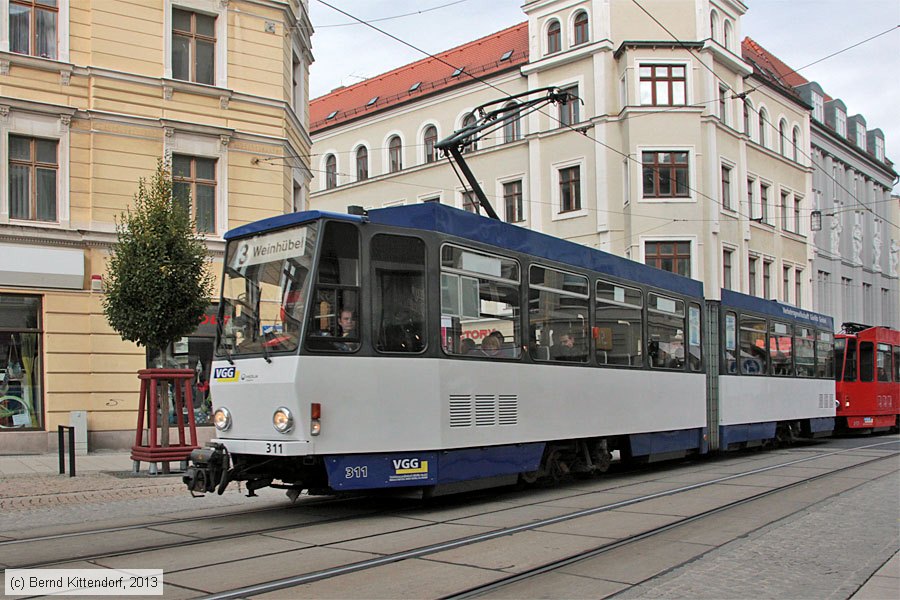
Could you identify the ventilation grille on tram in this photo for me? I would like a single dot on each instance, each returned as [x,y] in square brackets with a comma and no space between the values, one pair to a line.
[483,410]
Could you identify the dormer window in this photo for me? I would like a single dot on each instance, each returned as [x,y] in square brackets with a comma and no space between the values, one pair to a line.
[414,87]
[818,103]
[331,115]
[506,55]
[372,101]
[860,135]
[457,72]
[840,123]
[879,149]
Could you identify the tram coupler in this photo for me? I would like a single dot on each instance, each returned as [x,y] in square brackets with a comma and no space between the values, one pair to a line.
[208,470]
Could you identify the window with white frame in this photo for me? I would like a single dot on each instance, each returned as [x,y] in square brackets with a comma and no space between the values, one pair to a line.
[818,107]
[782,138]
[568,112]
[727,258]
[879,149]
[196,44]
[723,105]
[752,265]
[786,283]
[199,163]
[763,127]
[767,279]
[763,203]
[840,122]
[748,110]
[330,172]
[512,125]
[362,163]
[582,34]
[714,25]
[554,37]
[726,190]
[798,201]
[798,287]
[34,167]
[33,172]
[795,141]
[751,204]
[785,215]
[665,174]
[429,138]
[395,154]
[469,202]
[193,46]
[468,121]
[570,189]
[860,135]
[513,202]
[663,85]
[669,255]
[729,34]
[194,186]
[34,27]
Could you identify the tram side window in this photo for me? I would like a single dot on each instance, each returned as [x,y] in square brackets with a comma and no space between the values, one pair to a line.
[824,355]
[781,349]
[665,330]
[753,346]
[804,351]
[619,323]
[730,343]
[866,361]
[334,314]
[557,315]
[850,361]
[398,293]
[480,304]
[897,363]
[695,355]
[883,365]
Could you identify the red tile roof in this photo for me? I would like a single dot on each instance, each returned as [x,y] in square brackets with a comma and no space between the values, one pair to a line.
[770,64]
[480,57]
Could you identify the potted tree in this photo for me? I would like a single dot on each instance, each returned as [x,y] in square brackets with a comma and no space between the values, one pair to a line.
[158,282]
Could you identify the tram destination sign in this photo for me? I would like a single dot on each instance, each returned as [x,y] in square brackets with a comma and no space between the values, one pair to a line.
[271,247]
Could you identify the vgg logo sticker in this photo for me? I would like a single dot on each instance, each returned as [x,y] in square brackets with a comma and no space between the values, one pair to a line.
[410,465]
[225,374]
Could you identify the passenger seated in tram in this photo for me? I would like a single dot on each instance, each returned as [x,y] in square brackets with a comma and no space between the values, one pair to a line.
[566,348]
[490,346]
[467,346]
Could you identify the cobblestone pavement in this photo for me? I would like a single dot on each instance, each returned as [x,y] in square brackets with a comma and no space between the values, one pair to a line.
[34,501]
[828,551]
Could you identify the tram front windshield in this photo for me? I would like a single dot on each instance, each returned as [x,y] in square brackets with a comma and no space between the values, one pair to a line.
[263,292]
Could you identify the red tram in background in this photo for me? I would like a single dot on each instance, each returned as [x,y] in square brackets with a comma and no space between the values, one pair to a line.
[868,378]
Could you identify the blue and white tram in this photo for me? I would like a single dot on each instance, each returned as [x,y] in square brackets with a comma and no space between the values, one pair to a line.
[426,347]
[777,372]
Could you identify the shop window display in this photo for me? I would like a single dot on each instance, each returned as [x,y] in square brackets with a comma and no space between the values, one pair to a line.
[21,393]
[193,352]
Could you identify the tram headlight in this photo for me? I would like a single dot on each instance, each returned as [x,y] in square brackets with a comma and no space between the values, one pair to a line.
[283,420]
[222,419]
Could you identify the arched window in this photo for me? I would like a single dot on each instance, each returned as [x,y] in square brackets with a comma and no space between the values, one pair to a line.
[430,140]
[782,138]
[469,119]
[796,141]
[394,154]
[763,126]
[330,172]
[554,37]
[362,163]
[581,28]
[512,128]
[713,24]
[729,34]
[748,110]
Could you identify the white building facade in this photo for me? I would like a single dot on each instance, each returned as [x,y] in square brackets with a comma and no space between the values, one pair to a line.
[680,154]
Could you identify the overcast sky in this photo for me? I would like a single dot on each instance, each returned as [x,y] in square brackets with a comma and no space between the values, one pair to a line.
[799,32]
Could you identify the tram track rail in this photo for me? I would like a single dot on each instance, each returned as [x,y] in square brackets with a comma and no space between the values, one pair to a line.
[294,581]
[328,502]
